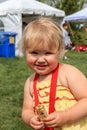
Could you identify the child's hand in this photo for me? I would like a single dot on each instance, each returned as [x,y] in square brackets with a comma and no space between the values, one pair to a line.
[55,119]
[36,124]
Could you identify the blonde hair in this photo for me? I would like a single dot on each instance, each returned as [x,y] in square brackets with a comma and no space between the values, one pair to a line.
[43,33]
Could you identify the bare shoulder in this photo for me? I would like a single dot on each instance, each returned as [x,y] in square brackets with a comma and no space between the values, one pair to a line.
[29,80]
[28,87]
[74,79]
[70,70]
[69,75]
[67,66]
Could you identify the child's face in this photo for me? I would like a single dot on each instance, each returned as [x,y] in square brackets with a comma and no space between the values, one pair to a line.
[42,61]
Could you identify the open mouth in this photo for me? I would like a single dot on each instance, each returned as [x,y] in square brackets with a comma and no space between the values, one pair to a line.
[41,66]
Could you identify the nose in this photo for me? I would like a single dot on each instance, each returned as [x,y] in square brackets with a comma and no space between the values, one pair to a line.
[41,59]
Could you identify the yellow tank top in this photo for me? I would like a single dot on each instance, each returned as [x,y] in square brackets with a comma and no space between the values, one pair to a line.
[64,99]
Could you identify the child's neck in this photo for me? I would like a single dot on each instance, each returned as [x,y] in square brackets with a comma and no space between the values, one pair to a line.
[47,76]
[44,77]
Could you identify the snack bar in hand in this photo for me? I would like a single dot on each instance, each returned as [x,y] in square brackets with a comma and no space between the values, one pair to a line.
[41,111]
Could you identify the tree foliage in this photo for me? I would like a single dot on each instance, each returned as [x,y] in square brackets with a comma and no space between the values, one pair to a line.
[69,6]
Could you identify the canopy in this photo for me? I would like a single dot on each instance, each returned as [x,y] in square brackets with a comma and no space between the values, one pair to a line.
[29,7]
[80,16]
[13,13]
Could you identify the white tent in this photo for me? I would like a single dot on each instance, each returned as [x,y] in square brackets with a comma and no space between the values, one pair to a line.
[80,16]
[14,12]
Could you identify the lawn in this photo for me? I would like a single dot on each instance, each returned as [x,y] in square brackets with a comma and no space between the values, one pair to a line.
[13,73]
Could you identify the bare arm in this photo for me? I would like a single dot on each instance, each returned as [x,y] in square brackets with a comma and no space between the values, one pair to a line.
[77,83]
[28,114]
[27,110]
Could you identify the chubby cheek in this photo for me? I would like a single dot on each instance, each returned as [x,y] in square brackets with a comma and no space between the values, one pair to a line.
[53,60]
[30,61]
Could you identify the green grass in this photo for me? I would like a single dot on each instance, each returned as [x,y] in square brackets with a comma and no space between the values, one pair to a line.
[78,59]
[13,73]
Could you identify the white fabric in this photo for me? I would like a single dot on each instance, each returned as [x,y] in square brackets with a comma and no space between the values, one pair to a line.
[29,7]
[80,16]
[67,40]
[14,12]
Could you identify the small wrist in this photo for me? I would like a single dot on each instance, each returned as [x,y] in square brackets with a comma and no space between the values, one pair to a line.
[30,118]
